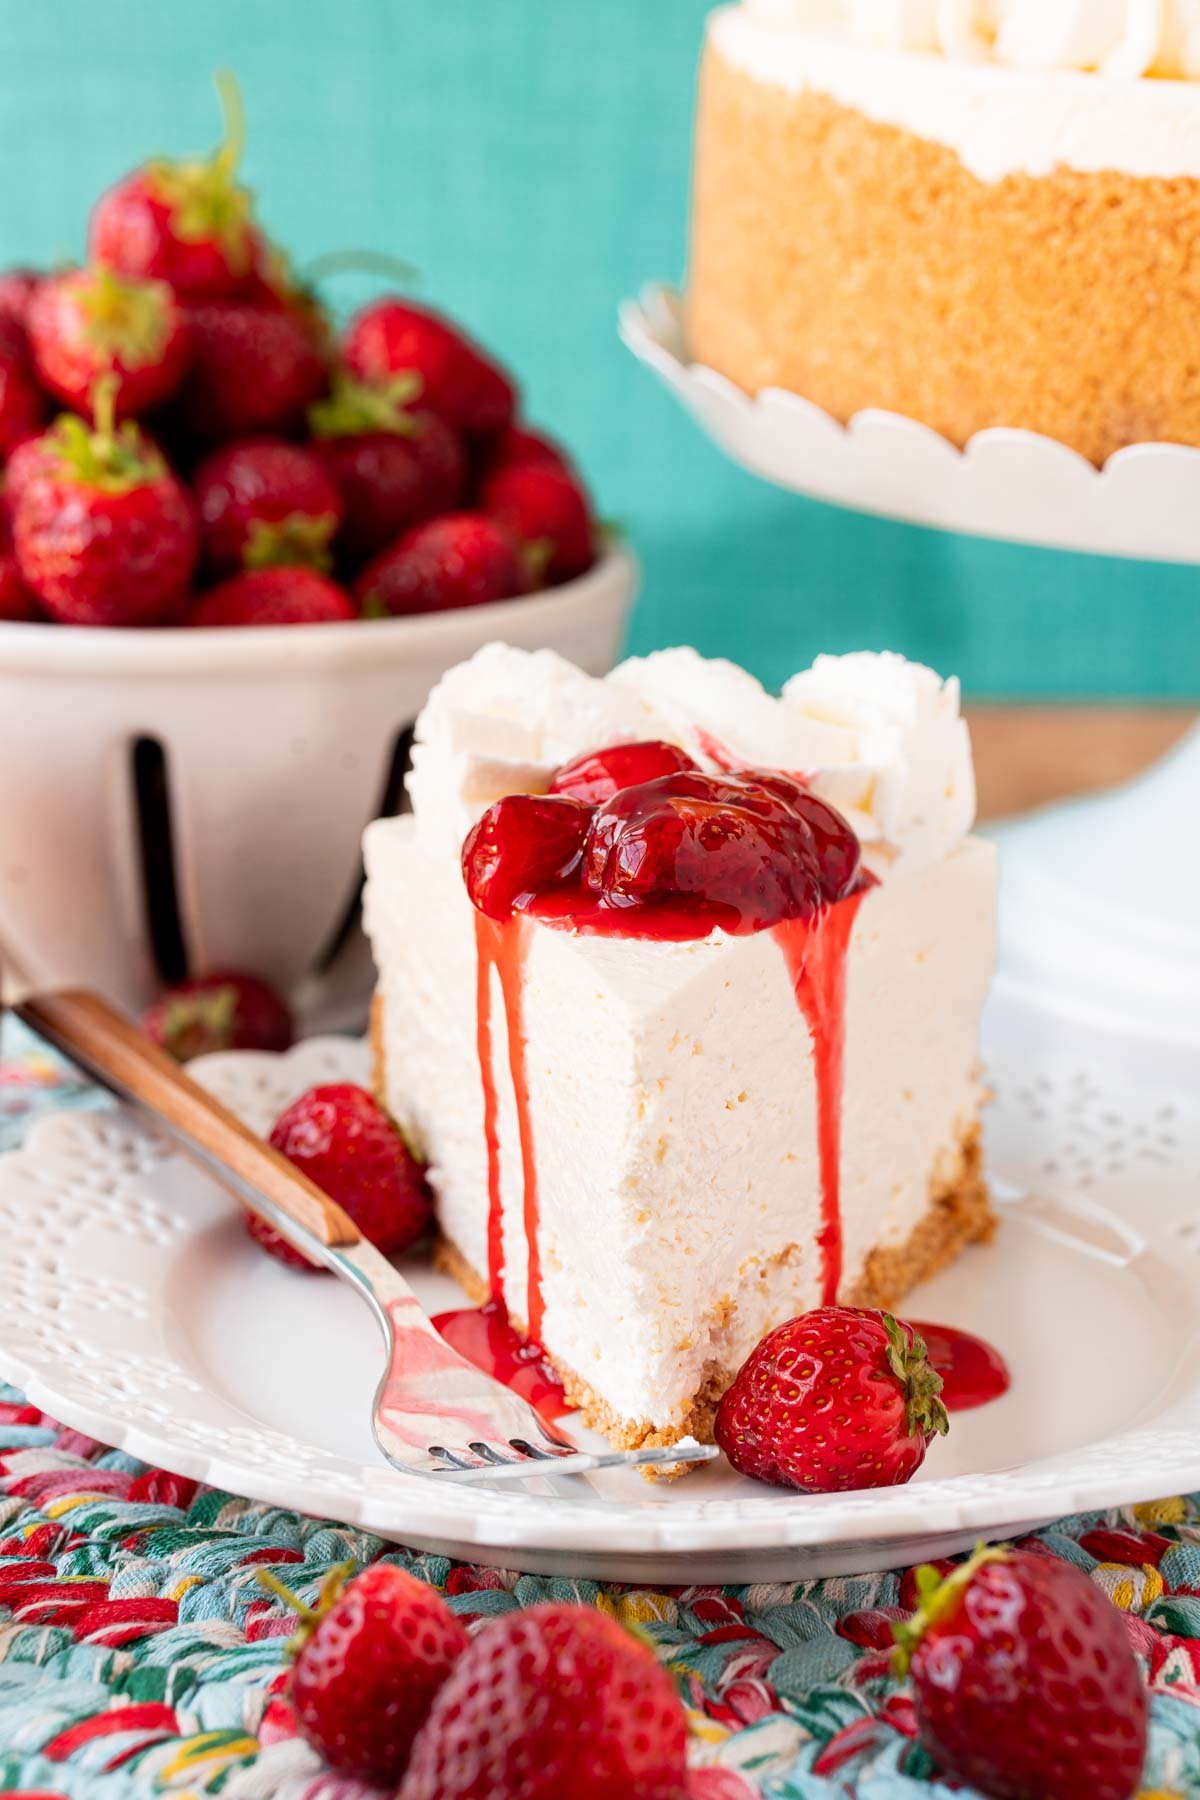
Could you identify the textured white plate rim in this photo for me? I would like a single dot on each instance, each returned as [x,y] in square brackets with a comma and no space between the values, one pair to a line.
[1160,1457]
[1006,482]
[230,651]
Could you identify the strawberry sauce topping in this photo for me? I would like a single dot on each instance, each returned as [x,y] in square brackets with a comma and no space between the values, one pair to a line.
[637,841]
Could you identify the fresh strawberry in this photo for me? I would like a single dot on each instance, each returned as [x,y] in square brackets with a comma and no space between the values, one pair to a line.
[547,511]
[393,467]
[550,1702]
[458,380]
[253,371]
[104,534]
[22,403]
[17,605]
[1024,1680]
[519,446]
[188,223]
[368,1661]
[227,1010]
[31,457]
[462,559]
[263,504]
[839,1398]
[93,322]
[273,285]
[275,597]
[344,1141]
[17,288]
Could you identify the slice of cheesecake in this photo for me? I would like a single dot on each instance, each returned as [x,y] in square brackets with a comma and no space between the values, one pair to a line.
[683,1062]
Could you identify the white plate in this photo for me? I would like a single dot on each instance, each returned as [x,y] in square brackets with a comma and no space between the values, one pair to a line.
[1006,483]
[133,1307]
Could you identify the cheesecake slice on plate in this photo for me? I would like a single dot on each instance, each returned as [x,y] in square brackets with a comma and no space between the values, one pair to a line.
[679,993]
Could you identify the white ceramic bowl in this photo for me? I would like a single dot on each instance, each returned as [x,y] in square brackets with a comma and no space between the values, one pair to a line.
[195,799]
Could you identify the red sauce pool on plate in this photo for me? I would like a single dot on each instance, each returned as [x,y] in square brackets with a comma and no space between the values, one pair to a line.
[972,1371]
[487,1338]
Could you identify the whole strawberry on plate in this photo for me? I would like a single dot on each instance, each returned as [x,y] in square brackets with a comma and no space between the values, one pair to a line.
[341,1138]
[283,596]
[840,1398]
[263,504]
[104,533]
[227,1010]
[188,223]
[392,466]
[549,1703]
[462,559]
[1024,1680]
[91,323]
[458,380]
[368,1660]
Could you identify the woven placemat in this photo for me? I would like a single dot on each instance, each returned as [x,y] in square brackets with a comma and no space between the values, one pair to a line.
[139,1654]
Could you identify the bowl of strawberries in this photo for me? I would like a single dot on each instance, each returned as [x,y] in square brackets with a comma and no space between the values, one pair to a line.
[195,457]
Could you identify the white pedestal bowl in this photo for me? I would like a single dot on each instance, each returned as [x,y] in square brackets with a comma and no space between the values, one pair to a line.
[187,800]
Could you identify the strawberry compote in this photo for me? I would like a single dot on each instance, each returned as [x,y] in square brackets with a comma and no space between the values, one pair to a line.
[637,841]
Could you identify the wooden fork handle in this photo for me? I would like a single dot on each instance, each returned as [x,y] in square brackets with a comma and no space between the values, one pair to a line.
[109,1046]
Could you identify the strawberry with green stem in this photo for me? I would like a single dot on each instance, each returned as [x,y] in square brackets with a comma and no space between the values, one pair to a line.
[104,534]
[265,504]
[227,1010]
[367,1663]
[189,222]
[93,322]
[393,466]
[1025,1683]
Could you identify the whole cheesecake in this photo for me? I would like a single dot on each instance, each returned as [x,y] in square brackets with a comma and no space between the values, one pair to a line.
[971,212]
[679,992]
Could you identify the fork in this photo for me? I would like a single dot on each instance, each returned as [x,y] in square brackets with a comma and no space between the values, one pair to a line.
[434,1414]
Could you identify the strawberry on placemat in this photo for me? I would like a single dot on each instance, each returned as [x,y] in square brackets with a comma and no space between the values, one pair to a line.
[1024,1681]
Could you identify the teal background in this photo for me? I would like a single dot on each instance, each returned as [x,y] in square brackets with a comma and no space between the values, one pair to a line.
[531,157]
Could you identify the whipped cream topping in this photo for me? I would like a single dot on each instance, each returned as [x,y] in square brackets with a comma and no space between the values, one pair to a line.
[879,737]
[1112,37]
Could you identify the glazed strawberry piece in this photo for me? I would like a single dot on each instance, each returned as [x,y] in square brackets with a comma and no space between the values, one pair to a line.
[265,504]
[342,1139]
[838,1399]
[104,533]
[284,596]
[227,1010]
[521,846]
[253,372]
[720,843]
[839,853]
[600,774]
[547,511]
[92,323]
[188,223]
[22,402]
[1025,1683]
[394,467]
[457,379]
[369,1660]
[460,560]
[549,1703]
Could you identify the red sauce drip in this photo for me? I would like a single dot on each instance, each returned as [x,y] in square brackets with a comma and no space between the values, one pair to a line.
[502,945]
[815,953]
[972,1372]
[486,1336]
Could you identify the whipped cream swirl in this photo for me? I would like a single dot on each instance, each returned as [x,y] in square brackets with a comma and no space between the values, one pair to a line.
[1128,38]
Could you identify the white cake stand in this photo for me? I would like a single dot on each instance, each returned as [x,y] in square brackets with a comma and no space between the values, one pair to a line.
[1100,902]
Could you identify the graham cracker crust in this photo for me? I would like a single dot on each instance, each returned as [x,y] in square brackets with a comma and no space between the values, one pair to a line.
[959,1214]
[860,265]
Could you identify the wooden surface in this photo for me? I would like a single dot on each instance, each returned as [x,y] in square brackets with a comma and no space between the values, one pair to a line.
[1026,756]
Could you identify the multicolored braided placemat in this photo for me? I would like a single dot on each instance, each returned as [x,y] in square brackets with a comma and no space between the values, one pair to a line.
[139,1654]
